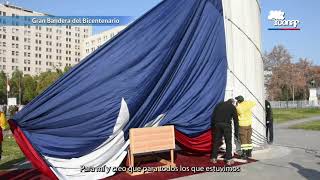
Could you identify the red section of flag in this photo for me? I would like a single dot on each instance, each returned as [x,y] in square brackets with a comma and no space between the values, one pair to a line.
[28,150]
[201,143]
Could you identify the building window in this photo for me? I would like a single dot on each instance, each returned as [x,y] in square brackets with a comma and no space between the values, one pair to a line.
[38,70]
[49,36]
[68,39]
[15,53]
[26,33]
[38,48]
[49,29]
[15,38]
[14,30]
[13,45]
[4,29]
[27,47]
[27,54]
[49,43]
[27,40]
[3,51]
[38,41]
[38,62]
[3,36]
[38,55]
[27,68]
[14,60]
[26,61]
[48,56]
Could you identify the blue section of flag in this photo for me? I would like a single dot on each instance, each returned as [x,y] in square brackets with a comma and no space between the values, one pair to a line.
[171,61]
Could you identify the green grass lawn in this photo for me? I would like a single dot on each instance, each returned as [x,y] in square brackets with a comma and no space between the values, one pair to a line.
[283,115]
[314,125]
[11,153]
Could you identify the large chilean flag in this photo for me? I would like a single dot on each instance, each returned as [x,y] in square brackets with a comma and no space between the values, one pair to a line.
[167,67]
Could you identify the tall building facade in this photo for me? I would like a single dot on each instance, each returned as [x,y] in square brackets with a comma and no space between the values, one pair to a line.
[36,49]
[92,43]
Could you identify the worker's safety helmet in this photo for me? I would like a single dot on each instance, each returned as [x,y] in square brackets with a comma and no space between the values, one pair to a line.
[240,99]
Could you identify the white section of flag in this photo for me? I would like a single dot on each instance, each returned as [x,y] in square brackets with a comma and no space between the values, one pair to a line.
[110,153]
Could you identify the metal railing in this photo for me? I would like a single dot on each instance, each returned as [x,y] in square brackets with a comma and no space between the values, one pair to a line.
[294,104]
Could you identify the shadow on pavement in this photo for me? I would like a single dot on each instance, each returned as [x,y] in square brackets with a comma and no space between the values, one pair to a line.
[305,172]
[274,165]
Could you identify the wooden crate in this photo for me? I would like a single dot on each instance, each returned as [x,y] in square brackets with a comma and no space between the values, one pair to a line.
[153,139]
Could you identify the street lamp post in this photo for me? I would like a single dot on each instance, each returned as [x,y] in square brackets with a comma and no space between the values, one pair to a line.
[292,73]
[19,89]
[7,88]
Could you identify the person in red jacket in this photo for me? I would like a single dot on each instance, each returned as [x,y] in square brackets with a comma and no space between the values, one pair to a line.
[1,139]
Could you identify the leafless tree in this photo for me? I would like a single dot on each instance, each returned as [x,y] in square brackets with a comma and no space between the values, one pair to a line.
[288,81]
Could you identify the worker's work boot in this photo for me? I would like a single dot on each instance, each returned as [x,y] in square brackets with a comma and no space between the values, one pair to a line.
[213,160]
[249,153]
[244,154]
[230,162]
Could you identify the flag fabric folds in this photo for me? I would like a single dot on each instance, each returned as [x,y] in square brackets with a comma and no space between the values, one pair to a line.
[167,67]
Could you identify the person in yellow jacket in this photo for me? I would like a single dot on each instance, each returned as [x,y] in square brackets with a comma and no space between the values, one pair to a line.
[3,126]
[3,121]
[244,110]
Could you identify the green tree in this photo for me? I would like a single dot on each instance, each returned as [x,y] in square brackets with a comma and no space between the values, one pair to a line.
[16,85]
[45,79]
[29,89]
[66,69]
[3,87]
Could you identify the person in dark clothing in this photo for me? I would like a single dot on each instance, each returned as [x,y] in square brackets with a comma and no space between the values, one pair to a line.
[222,115]
[269,122]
